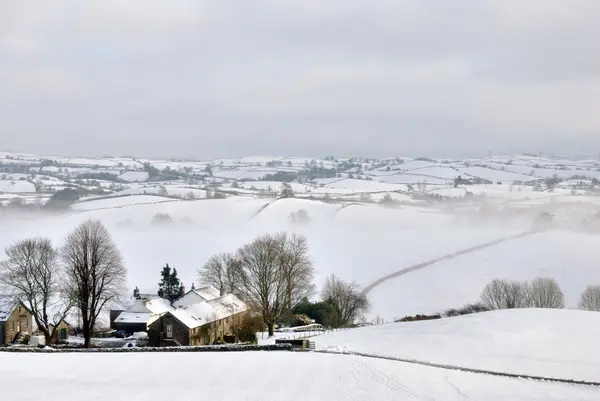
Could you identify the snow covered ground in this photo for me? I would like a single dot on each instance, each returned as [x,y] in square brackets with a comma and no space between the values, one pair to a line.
[538,342]
[360,243]
[570,258]
[16,186]
[254,376]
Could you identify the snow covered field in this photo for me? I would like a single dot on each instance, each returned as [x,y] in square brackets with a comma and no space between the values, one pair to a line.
[570,258]
[537,342]
[360,243]
[18,186]
[254,376]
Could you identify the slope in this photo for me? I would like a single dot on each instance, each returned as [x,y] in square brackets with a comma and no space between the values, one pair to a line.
[570,258]
[542,342]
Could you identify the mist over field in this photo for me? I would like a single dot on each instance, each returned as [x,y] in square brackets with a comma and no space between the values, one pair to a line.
[362,229]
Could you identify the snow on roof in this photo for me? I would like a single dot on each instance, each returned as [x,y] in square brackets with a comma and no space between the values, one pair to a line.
[138,306]
[197,295]
[158,305]
[144,311]
[133,317]
[7,306]
[208,292]
[199,314]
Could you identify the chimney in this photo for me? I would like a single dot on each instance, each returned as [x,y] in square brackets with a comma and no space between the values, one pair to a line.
[161,293]
[136,293]
[194,285]
[182,290]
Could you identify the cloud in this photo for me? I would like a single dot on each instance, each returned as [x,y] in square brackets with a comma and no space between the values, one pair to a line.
[223,78]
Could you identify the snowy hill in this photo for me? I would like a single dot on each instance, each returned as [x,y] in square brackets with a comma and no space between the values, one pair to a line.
[538,342]
[569,258]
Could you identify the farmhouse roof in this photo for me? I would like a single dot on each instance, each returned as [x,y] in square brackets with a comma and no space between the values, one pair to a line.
[205,312]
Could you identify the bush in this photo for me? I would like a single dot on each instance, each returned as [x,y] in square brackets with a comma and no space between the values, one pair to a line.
[162,219]
[387,200]
[418,318]
[466,310]
[250,325]
[301,320]
[501,294]
[590,298]
[299,217]
[544,293]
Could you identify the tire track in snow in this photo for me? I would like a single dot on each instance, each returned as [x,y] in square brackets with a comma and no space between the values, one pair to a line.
[453,255]
[465,369]
[389,382]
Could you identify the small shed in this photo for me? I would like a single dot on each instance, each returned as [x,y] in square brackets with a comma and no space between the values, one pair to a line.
[15,320]
[62,331]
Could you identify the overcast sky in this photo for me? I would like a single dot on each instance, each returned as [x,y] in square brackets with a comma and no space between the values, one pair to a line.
[226,78]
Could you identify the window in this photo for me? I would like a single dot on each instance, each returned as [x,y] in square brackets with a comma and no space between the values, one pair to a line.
[169,330]
[19,308]
[26,323]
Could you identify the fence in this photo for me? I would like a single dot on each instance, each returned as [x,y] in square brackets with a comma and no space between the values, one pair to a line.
[307,334]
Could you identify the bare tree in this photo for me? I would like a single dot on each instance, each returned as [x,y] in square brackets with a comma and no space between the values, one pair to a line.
[544,293]
[590,299]
[347,300]
[32,275]
[296,268]
[500,294]
[287,191]
[299,217]
[94,272]
[222,271]
[263,287]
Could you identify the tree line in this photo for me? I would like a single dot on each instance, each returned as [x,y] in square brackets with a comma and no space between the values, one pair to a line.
[542,292]
[274,275]
[85,275]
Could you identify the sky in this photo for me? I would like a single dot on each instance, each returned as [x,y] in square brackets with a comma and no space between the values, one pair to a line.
[227,78]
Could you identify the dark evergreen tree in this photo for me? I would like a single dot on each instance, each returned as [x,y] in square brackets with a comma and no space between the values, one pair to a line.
[169,284]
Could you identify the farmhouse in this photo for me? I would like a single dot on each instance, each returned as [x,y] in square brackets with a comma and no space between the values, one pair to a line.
[197,317]
[15,320]
[199,323]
